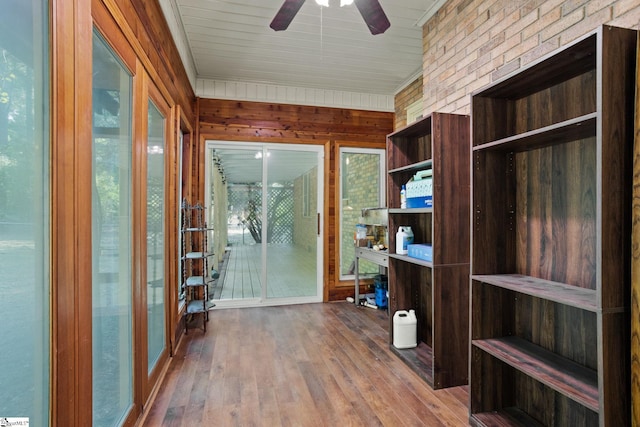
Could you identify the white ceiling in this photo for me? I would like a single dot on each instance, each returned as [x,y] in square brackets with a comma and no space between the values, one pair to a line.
[323,48]
[242,166]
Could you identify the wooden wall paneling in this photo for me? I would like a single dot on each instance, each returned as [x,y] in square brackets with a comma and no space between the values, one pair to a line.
[181,162]
[635,262]
[71,369]
[291,123]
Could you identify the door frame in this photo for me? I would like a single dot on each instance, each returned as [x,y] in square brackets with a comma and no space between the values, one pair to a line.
[253,146]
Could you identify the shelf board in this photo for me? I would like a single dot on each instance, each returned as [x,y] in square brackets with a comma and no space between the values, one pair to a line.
[416,129]
[568,130]
[562,375]
[198,255]
[199,306]
[414,166]
[505,417]
[196,229]
[407,258]
[573,59]
[562,293]
[410,210]
[377,257]
[419,359]
[197,281]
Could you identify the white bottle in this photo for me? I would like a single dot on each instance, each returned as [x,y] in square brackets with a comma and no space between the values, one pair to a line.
[403,197]
[404,237]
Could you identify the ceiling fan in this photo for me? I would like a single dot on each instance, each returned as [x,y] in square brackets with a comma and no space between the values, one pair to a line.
[370,10]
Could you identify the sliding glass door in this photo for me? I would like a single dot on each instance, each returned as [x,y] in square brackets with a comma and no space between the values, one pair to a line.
[292,223]
[264,204]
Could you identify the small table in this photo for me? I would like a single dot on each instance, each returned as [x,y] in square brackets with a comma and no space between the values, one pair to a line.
[380,258]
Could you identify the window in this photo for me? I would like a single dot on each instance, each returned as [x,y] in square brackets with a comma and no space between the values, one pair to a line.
[155,236]
[24,211]
[362,184]
[111,237]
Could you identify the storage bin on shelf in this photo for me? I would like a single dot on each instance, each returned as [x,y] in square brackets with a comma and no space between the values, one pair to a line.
[420,251]
[419,190]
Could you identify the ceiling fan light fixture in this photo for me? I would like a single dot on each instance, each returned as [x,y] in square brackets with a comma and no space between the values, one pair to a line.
[324,3]
[346,2]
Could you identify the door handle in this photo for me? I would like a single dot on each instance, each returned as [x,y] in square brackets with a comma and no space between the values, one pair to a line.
[318,223]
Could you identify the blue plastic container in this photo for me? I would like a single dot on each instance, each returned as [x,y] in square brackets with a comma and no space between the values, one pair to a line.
[380,282]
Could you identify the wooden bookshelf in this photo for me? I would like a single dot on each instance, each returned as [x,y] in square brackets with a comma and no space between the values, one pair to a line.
[438,290]
[550,248]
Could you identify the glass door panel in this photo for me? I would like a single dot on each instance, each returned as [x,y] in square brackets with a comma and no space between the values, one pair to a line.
[111,237]
[156,333]
[291,224]
[236,197]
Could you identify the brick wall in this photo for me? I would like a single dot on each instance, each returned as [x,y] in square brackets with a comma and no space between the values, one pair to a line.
[407,96]
[470,43]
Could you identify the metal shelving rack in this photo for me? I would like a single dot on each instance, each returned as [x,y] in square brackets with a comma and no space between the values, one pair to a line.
[195,264]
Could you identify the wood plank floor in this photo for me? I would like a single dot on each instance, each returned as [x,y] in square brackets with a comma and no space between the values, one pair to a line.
[298,365]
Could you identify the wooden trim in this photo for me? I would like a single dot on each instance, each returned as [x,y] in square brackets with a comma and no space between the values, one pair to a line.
[110,32]
[329,176]
[108,28]
[181,124]
[154,94]
[139,290]
[343,288]
[71,368]
[635,263]
[130,35]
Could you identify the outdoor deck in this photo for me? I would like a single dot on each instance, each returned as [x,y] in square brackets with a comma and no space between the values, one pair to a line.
[291,272]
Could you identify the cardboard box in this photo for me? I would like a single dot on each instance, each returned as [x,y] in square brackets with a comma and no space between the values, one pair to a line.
[419,190]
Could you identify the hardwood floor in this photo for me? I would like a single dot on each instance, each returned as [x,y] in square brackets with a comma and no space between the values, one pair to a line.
[298,365]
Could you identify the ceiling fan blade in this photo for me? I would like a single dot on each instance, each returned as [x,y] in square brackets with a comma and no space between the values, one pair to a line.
[286,14]
[373,15]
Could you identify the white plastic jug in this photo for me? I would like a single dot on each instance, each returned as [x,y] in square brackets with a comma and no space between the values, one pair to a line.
[405,329]
[404,237]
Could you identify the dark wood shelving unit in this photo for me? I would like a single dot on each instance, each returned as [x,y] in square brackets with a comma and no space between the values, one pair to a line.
[439,290]
[551,238]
